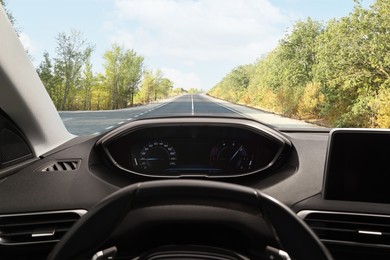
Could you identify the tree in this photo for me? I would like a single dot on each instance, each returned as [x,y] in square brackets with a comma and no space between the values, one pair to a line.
[283,74]
[154,86]
[112,74]
[178,91]
[353,65]
[72,53]
[133,74]
[237,81]
[194,91]
[234,85]
[165,87]
[88,81]
[295,57]
[338,73]
[45,71]
[157,84]
[123,71]
[147,87]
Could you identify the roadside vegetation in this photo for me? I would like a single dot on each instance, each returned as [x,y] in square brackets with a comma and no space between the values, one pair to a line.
[335,74]
[72,84]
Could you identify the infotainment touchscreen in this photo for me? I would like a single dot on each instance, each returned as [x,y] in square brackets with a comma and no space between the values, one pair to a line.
[358,166]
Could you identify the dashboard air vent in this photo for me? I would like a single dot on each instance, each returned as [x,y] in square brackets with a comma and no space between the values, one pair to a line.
[32,228]
[62,166]
[349,228]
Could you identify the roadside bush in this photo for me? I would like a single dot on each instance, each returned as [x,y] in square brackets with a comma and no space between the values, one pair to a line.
[383,108]
[311,101]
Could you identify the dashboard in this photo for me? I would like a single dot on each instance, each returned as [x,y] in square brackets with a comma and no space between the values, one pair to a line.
[337,181]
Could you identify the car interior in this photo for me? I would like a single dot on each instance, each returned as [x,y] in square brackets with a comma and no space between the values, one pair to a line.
[189,187]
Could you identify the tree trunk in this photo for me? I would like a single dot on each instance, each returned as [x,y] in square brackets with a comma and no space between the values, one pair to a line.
[66,93]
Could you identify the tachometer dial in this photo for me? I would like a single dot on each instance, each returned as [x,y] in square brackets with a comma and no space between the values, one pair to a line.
[230,156]
[157,156]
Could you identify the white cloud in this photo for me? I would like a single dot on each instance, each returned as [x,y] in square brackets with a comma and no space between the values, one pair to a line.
[182,79]
[139,40]
[202,30]
[206,37]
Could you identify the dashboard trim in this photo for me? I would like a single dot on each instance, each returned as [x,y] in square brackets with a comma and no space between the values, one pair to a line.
[304,213]
[80,212]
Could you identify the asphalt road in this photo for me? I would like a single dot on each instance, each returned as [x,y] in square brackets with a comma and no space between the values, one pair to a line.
[95,122]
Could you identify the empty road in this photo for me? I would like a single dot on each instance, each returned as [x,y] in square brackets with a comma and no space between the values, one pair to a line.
[95,122]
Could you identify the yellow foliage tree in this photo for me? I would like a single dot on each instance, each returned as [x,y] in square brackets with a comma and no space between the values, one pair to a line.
[383,108]
[310,101]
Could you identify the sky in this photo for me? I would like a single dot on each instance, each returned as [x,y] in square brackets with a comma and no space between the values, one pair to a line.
[195,43]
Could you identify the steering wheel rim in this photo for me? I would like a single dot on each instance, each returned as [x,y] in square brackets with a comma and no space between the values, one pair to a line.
[293,235]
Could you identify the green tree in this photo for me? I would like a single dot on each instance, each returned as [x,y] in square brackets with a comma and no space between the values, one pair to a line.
[45,71]
[112,73]
[295,57]
[123,72]
[194,91]
[148,87]
[88,82]
[133,74]
[338,73]
[234,85]
[353,65]
[72,53]
[154,86]
[100,93]
[282,74]
[178,91]
[165,88]
[238,80]
[157,84]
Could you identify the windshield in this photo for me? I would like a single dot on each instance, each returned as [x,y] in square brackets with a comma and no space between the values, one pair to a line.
[286,63]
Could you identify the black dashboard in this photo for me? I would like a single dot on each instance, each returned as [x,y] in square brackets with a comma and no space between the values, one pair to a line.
[336,181]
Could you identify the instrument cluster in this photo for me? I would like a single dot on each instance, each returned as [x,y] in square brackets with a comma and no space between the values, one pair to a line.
[195,150]
[178,156]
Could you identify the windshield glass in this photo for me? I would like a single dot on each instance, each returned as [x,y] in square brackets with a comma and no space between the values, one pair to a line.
[285,63]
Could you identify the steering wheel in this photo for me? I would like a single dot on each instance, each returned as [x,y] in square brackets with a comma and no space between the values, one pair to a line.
[204,215]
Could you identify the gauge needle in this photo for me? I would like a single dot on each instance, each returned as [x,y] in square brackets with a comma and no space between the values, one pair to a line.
[153,159]
[234,155]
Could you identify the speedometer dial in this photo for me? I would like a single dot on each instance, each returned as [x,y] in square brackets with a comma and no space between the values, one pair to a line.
[230,156]
[157,156]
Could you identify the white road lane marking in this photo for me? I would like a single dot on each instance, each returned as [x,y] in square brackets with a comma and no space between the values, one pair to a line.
[111,126]
[192,104]
[129,119]
[121,122]
[67,119]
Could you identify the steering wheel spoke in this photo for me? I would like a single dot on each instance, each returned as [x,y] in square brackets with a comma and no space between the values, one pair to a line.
[208,214]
